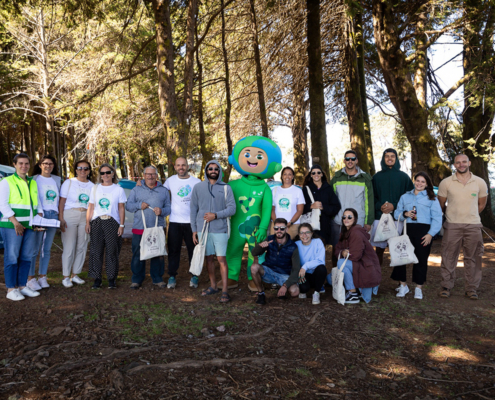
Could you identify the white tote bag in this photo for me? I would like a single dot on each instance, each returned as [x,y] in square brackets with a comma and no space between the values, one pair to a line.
[338,290]
[199,252]
[386,229]
[401,250]
[153,242]
[312,217]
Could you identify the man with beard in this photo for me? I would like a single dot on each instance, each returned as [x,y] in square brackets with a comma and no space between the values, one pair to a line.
[466,195]
[281,265]
[213,201]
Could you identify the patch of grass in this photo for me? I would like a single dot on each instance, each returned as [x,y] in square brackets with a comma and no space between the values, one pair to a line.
[292,394]
[90,316]
[454,346]
[303,372]
[430,344]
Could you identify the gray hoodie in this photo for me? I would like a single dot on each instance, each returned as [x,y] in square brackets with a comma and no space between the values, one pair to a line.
[156,197]
[211,198]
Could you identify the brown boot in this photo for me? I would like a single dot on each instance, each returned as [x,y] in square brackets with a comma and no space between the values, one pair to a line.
[231,284]
[252,286]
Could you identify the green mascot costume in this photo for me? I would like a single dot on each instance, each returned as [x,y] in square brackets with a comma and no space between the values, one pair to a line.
[256,158]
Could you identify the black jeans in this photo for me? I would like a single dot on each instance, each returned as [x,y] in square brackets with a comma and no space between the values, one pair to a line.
[176,233]
[415,233]
[314,280]
[157,264]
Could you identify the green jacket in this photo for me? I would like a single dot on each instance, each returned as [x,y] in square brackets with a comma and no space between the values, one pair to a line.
[23,201]
[354,192]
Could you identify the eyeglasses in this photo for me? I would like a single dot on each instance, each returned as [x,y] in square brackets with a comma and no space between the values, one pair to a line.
[47,164]
[213,169]
[106,172]
[348,217]
[153,174]
[316,173]
[82,168]
[279,228]
[305,233]
[350,158]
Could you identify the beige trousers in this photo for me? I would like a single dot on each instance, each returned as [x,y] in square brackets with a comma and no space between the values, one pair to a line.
[75,241]
[469,237]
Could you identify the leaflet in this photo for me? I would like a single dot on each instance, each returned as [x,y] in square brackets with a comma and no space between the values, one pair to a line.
[46,223]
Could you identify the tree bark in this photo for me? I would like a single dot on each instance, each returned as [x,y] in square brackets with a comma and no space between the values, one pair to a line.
[300,135]
[479,110]
[414,117]
[259,74]
[227,94]
[319,148]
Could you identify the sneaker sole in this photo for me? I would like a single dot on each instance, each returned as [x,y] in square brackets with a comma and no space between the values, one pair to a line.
[171,286]
[192,285]
[353,302]
[315,303]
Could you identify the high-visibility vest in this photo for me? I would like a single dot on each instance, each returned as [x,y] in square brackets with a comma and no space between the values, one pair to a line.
[23,200]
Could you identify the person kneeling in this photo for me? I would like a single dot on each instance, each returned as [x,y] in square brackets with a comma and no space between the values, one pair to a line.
[281,264]
[362,268]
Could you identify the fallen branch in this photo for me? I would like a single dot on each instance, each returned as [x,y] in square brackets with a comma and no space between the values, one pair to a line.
[237,337]
[216,362]
[442,380]
[313,319]
[47,347]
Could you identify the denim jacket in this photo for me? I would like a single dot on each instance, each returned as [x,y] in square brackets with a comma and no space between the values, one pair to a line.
[427,211]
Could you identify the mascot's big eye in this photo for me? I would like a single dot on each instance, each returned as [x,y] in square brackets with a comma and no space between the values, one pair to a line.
[260,157]
[247,155]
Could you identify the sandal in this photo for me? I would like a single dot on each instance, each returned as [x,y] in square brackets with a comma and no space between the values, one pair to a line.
[225,297]
[445,293]
[472,295]
[209,291]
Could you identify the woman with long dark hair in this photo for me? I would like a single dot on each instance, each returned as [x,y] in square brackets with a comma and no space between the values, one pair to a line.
[362,269]
[324,199]
[421,208]
[46,176]
[288,202]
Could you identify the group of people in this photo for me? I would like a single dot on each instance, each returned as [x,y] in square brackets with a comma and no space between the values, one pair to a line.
[343,212]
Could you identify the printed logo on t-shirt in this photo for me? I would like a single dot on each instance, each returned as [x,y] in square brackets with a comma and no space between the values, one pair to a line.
[184,191]
[51,195]
[104,203]
[83,199]
[473,194]
[284,204]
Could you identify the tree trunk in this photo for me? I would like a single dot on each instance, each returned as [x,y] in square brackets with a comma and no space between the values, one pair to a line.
[32,132]
[259,74]
[479,109]
[358,27]
[319,148]
[353,99]
[300,135]
[227,94]
[414,117]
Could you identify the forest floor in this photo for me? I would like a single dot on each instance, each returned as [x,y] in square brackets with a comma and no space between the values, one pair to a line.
[154,343]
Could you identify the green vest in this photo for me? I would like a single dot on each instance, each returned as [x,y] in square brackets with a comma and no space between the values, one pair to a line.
[23,199]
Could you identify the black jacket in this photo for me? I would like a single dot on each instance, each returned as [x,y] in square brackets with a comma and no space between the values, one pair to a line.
[331,206]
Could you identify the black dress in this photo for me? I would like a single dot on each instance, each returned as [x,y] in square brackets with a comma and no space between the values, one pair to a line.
[330,203]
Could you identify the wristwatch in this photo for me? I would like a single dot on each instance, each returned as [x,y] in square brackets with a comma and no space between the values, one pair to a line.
[122,226]
[216,216]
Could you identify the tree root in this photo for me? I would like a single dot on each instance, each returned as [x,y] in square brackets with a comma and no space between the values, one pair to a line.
[216,362]
[47,347]
[231,338]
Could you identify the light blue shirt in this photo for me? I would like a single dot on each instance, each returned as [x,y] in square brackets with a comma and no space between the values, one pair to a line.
[311,256]
[427,211]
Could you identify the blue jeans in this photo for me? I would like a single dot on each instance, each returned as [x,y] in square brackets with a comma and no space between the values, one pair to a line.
[43,248]
[273,277]
[349,281]
[17,257]
[138,267]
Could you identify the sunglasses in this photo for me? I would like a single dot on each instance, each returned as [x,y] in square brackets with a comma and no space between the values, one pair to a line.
[316,173]
[279,228]
[350,158]
[305,233]
[348,217]
[213,169]
[82,168]
[106,172]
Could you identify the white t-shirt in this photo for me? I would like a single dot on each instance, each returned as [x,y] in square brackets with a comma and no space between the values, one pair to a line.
[79,193]
[181,191]
[107,201]
[286,200]
[48,193]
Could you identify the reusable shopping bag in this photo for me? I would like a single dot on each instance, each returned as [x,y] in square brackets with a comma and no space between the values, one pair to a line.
[401,250]
[338,290]
[312,217]
[386,229]
[153,242]
[199,252]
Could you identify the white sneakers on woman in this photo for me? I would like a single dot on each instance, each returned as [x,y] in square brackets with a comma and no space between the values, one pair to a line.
[67,282]
[29,292]
[78,280]
[43,282]
[15,295]
[403,290]
[418,294]
[33,284]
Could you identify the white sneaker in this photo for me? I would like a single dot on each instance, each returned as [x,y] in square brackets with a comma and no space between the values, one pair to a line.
[15,295]
[316,298]
[303,296]
[29,293]
[418,294]
[67,283]
[79,281]
[33,284]
[403,290]
[43,282]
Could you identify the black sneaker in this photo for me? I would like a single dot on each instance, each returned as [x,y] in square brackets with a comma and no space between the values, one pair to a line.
[261,300]
[351,298]
[97,284]
[112,284]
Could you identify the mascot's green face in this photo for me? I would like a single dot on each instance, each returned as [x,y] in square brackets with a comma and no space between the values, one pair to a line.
[256,155]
